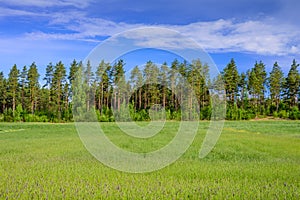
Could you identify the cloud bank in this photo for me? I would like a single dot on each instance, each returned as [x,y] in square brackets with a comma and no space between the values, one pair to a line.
[263,37]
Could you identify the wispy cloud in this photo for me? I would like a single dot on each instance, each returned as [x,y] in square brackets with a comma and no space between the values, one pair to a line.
[158,37]
[6,12]
[263,37]
[45,3]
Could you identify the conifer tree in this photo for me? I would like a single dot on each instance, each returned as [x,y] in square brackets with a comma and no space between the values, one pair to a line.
[13,86]
[231,80]
[293,84]
[33,86]
[275,84]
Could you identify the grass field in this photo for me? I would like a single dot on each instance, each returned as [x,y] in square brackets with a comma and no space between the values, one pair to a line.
[252,160]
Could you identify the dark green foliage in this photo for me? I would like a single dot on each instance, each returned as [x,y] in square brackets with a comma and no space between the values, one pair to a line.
[231,81]
[257,80]
[13,88]
[293,85]
[33,86]
[276,84]
[106,92]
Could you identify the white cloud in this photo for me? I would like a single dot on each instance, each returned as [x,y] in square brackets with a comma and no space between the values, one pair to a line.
[159,37]
[48,3]
[263,37]
[35,36]
[295,49]
[5,12]
[217,36]
[251,36]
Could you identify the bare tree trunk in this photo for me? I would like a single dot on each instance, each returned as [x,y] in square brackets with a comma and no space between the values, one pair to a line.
[140,98]
[14,103]
[164,99]
[119,100]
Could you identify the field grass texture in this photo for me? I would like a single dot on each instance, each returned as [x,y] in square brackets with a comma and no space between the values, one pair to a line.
[252,160]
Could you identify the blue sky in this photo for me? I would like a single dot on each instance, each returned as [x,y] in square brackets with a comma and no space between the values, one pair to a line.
[248,30]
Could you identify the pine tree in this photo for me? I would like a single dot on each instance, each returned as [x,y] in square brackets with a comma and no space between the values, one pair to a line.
[57,88]
[33,85]
[153,86]
[79,96]
[49,75]
[119,83]
[257,80]
[276,82]
[24,87]
[13,86]
[231,80]
[73,70]
[65,101]
[172,76]
[293,84]
[107,85]
[100,74]
[136,78]
[202,82]
[164,81]
[20,93]
[242,85]
[72,73]
[49,92]
[88,80]
[3,92]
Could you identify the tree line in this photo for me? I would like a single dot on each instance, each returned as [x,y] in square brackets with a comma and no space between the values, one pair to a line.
[251,94]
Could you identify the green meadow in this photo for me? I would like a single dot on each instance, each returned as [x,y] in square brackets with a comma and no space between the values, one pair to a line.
[252,160]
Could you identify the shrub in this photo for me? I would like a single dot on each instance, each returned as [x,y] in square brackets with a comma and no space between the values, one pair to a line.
[294,113]
[282,114]
[275,114]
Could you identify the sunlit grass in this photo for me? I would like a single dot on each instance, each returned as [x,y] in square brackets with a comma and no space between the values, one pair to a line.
[252,160]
